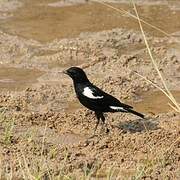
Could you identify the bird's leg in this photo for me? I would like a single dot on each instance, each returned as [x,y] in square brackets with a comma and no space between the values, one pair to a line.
[103,121]
[98,116]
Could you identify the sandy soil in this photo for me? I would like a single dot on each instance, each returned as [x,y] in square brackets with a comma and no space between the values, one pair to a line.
[44,131]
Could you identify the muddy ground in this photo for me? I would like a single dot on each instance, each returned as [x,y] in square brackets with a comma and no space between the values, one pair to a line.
[44,131]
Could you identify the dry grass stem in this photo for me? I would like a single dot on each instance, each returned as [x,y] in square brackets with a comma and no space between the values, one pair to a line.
[158,87]
[43,140]
[168,94]
[20,165]
[166,91]
[133,16]
[26,166]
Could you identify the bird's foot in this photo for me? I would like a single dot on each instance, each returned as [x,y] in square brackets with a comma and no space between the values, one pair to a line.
[107,130]
[104,129]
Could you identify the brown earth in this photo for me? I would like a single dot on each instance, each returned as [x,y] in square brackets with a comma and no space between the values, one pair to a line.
[44,131]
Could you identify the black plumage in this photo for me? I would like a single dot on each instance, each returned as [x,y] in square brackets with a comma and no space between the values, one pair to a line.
[94,98]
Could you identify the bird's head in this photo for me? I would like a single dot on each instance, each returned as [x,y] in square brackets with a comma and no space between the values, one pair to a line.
[77,74]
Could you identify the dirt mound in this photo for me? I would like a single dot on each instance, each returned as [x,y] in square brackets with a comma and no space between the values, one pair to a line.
[44,126]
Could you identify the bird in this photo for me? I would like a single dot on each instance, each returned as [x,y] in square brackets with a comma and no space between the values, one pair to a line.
[94,98]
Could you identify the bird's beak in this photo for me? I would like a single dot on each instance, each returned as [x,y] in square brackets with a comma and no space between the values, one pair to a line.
[65,72]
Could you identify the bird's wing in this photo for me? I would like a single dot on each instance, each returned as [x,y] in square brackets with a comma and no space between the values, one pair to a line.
[115,104]
[101,99]
[93,92]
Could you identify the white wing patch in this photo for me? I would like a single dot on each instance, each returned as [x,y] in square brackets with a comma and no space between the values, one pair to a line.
[118,108]
[89,93]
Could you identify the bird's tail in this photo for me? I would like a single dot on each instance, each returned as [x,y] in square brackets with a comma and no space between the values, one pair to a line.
[136,113]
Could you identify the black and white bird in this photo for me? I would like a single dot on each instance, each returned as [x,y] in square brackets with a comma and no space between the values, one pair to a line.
[94,98]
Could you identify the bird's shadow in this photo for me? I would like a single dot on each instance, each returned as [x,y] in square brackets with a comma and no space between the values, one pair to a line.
[138,125]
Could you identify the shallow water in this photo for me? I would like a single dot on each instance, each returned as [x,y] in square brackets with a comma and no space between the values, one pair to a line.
[17,78]
[155,102]
[45,20]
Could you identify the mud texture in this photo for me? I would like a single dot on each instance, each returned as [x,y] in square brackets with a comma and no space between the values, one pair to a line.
[44,131]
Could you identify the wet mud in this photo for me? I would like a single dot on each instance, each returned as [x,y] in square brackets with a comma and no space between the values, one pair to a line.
[47,20]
